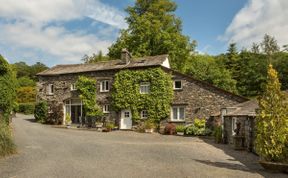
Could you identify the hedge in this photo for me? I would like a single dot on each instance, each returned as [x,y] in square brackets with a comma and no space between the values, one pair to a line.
[26,108]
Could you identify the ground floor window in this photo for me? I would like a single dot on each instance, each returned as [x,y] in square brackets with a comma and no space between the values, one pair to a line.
[178,113]
[144,114]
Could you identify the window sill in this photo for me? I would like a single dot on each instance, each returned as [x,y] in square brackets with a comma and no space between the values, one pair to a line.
[177,121]
[178,89]
[50,94]
[104,91]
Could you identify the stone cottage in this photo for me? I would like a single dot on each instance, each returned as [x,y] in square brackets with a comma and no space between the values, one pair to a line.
[192,98]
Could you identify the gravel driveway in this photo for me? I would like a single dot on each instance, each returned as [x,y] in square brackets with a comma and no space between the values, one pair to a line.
[44,151]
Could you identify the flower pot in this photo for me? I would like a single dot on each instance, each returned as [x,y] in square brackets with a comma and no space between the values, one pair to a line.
[274,167]
[149,130]
[180,133]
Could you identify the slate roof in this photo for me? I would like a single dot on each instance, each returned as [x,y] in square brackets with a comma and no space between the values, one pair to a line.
[245,109]
[106,65]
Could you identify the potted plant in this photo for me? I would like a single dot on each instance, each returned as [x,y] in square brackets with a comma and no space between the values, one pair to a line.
[149,126]
[180,129]
[108,127]
[68,120]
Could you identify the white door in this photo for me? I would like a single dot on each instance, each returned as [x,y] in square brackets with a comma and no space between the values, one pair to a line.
[126,119]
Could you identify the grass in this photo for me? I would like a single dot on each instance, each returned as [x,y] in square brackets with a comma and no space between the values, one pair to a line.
[7,145]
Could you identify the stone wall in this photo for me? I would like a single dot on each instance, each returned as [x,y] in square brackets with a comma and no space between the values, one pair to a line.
[202,100]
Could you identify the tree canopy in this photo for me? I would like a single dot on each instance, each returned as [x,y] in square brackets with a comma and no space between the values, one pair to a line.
[153,29]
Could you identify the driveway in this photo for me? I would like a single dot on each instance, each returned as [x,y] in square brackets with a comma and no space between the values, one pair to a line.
[44,151]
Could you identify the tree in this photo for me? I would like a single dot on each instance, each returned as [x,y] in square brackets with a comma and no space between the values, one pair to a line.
[153,30]
[35,69]
[255,48]
[206,68]
[94,58]
[7,89]
[269,45]
[272,121]
[26,82]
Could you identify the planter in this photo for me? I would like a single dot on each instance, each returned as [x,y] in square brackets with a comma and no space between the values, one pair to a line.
[180,133]
[274,167]
[149,130]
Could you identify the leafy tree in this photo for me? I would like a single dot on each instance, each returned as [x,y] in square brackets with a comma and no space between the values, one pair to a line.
[22,69]
[7,89]
[255,48]
[26,82]
[269,45]
[280,62]
[206,68]
[94,58]
[154,29]
[272,122]
[35,69]
[26,94]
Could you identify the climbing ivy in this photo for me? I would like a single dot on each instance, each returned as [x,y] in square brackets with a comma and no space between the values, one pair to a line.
[126,93]
[87,89]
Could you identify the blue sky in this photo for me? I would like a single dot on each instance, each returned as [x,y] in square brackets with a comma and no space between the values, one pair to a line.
[62,31]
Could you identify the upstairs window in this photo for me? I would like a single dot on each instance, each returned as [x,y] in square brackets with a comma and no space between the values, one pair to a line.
[144,114]
[106,108]
[73,87]
[104,86]
[50,89]
[178,85]
[178,113]
[145,88]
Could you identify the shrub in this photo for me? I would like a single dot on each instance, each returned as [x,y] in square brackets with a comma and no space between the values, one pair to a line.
[148,124]
[26,108]
[170,129]
[180,128]
[55,115]
[41,111]
[198,128]
[7,145]
[68,119]
[218,134]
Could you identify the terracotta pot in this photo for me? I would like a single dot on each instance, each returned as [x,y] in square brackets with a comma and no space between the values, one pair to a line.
[275,167]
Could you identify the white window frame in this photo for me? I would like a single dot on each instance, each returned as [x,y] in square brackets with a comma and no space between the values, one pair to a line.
[73,87]
[178,119]
[106,108]
[104,86]
[234,125]
[174,85]
[144,88]
[51,89]
[144,114]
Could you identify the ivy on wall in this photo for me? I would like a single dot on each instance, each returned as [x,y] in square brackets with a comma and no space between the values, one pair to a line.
[87,90]
[126,93]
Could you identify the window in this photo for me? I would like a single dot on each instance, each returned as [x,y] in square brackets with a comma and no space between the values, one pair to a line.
[106,108]
[178,113]
[127,114]
[145,88]
[144,114]
[177,85]
[50,89]
[104,86]
[234,125]
[73,87]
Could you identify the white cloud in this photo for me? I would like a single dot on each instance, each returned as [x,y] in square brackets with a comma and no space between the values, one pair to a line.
[32,26]
[257,18]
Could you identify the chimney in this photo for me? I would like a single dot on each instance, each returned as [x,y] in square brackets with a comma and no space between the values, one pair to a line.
[125,56]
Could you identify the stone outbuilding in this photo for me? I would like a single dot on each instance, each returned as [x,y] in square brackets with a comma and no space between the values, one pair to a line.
[245,115]
[192,98]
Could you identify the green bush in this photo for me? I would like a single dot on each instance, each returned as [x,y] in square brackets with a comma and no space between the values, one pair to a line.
[180,128]
[55,115]
[198,128]
[26,108]
[218,134]
[41,111]
[7,145]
